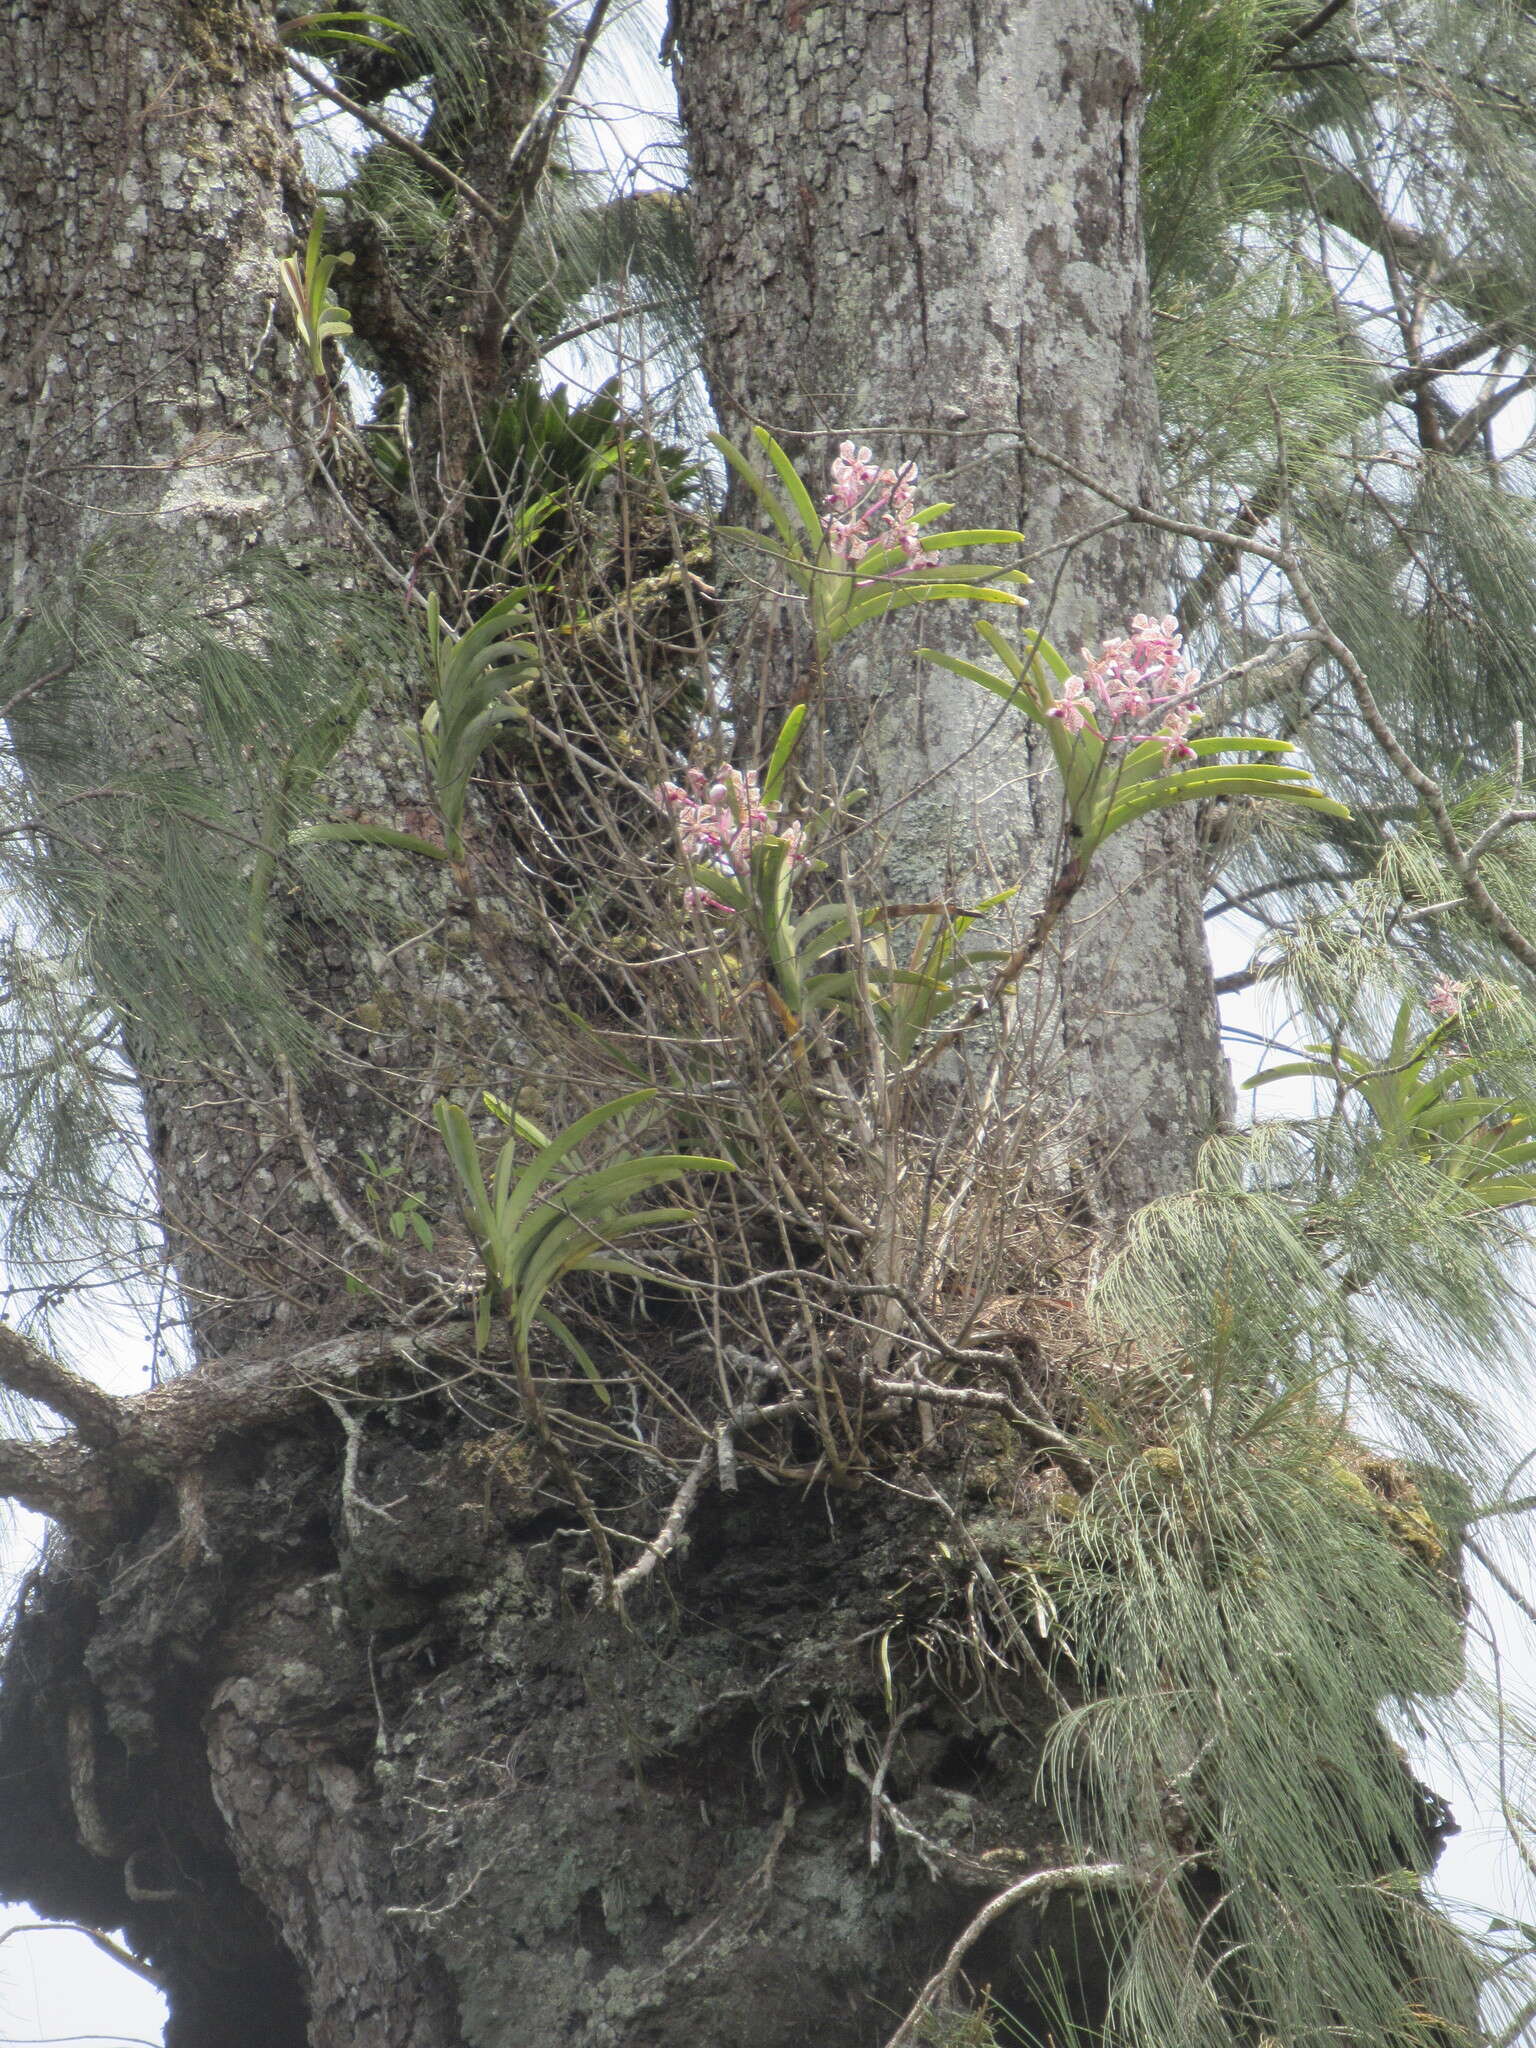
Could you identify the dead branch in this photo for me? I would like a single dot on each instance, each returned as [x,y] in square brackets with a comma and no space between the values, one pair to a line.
[915,1387]
[937,1858]
[94,1935]
[675,1522]
[1039,1884]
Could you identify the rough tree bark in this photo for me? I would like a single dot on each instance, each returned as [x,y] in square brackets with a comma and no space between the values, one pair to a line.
[300,1698]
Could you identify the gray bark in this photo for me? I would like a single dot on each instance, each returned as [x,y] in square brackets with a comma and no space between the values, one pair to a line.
[920,224]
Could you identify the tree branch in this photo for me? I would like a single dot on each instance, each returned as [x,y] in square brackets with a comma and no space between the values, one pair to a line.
[94,1935]
[27,1369]
[1342,199]
[1293,38]
[714,1454]
[83,1481]
[1262,503]
[59,1480]
[530,158]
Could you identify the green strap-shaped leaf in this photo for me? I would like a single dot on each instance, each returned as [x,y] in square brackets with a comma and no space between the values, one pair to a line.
[1039,650]
[1014,694]
[1292,1070]
[574,1247]
[759,490]
[976,537]
[884,561]
[783,748]
[454,1128]
[794,489]
[1287,785]
[1225,743]
[896,597]
[573,1135]
[559,1329]
[726,888]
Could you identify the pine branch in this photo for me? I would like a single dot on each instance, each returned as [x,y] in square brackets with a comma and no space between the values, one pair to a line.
[1269,497]
[1462,859]
[1484,293]
[1292,38]
[529,159]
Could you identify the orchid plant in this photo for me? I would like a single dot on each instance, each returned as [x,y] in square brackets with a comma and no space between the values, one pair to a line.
[1120,732]
[1418,1097]
[743,854]
[318,315]
[1118,728]
[554,1217]
[871,550]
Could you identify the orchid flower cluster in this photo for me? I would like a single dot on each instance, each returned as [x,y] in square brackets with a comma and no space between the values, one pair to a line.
[721,817]
[1127,682]
[860,496]
[1445,999]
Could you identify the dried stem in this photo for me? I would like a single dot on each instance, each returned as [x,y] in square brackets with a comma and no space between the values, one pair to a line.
[1039,1884]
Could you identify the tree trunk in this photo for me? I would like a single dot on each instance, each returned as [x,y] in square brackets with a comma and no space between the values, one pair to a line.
[306,1700]
[921,225]
[164,442]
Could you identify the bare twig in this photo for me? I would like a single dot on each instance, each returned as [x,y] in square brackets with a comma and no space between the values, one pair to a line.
[675,1522]
[325,1186]
[94,1935]
[877,1784]
[352,1495]
[1501,1579]
[937,1858]
[913,1386]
